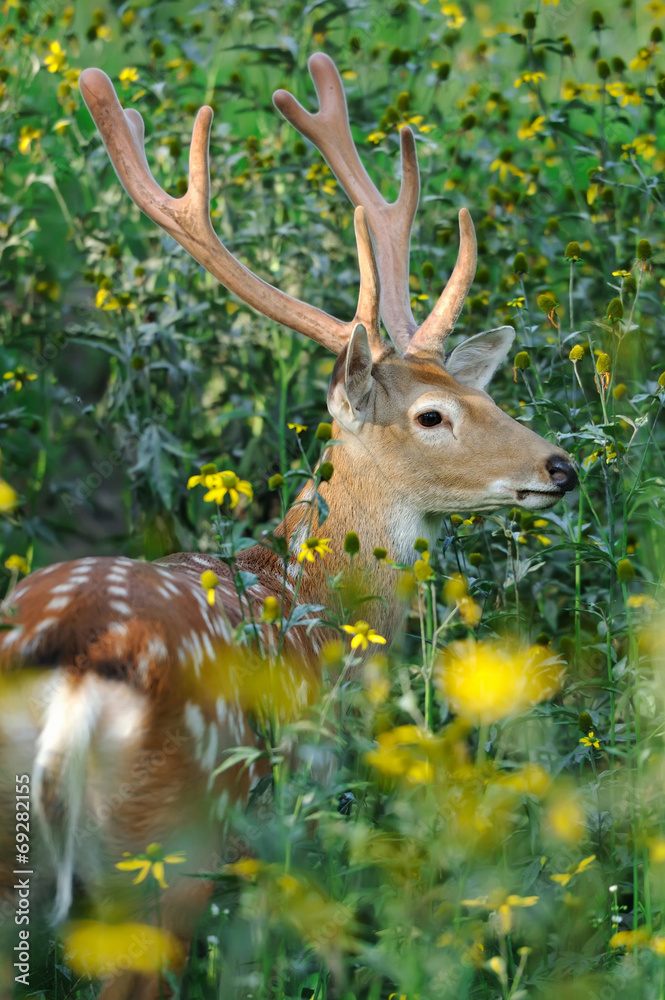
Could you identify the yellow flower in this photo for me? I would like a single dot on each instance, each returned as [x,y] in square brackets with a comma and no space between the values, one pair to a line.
[623,91]
[565,878]
[641,601]
[530,78]
[247,868]
[18,563]
[591,740]
[517,303]
[153,862]
[27,137]
[529,130]
[129,74]
[105,300]
[406,752]
[362,635]
[209,581]
[312,547]
[61,125]
[376,136]
[98,950]
[19,377]
[298,428]
[206,477]
[642,60]
[228,482]
[630,939]
[486,681]
[55,63]
[8,497]
[642,145]
[422,568]
[455,18]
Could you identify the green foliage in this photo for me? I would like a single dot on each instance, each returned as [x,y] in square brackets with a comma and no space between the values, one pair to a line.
[146,368]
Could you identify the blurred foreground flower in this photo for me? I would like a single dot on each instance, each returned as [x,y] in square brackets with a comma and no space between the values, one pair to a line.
[8,497]
[406,752]
[565,877]
[486,681]
[98,950]
[152,861]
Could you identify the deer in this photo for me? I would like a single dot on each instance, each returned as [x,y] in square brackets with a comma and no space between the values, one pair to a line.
[108,645]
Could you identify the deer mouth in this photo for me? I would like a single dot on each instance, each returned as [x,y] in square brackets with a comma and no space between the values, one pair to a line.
[544,498]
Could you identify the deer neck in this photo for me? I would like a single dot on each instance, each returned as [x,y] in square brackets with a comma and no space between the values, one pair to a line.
[360,498]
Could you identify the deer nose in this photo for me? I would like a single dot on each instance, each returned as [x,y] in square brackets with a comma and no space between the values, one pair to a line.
[562,473]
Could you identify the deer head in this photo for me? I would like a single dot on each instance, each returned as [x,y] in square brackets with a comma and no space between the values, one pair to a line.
[421,436]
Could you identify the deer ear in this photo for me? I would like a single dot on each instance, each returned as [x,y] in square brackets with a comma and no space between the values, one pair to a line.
[475,360]
[348,392]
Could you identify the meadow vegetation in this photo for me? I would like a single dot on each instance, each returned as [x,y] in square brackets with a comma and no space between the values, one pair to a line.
[495,822]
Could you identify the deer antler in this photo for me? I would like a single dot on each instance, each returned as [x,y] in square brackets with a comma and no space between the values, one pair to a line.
[187,220]
[389,223]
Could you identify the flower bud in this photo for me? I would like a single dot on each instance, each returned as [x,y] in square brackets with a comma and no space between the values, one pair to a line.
[276,481]
[351,543]
[323,432]
[597,19]
[603,363]
[209,580]
[325,471]
[475,558]
[522,361]
[603,69]
[576,353]
[573,251]
[380,553]
[625,571]
[546,302]
[620,390]
[421,545]
[585,722]
[427,270]
[529,20]
[615,309]
[644,250]
[520,265]
[661,380]
[271,610]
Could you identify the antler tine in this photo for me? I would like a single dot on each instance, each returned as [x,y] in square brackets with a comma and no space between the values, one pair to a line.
[187,219]
[389,223]
[432,335]
[367,312]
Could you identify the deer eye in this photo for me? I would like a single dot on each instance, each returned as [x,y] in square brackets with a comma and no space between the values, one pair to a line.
[429,419]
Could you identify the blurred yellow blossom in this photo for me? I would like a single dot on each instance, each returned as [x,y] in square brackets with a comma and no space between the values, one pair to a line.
[528,130]
[55,62]
[565,878]
[565,818]
[98,950]
[630,939]
[530,78]
[27,136]
[8,497]
[406,752]
[129,74]
[623,92]
[19,563]
[486,681]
